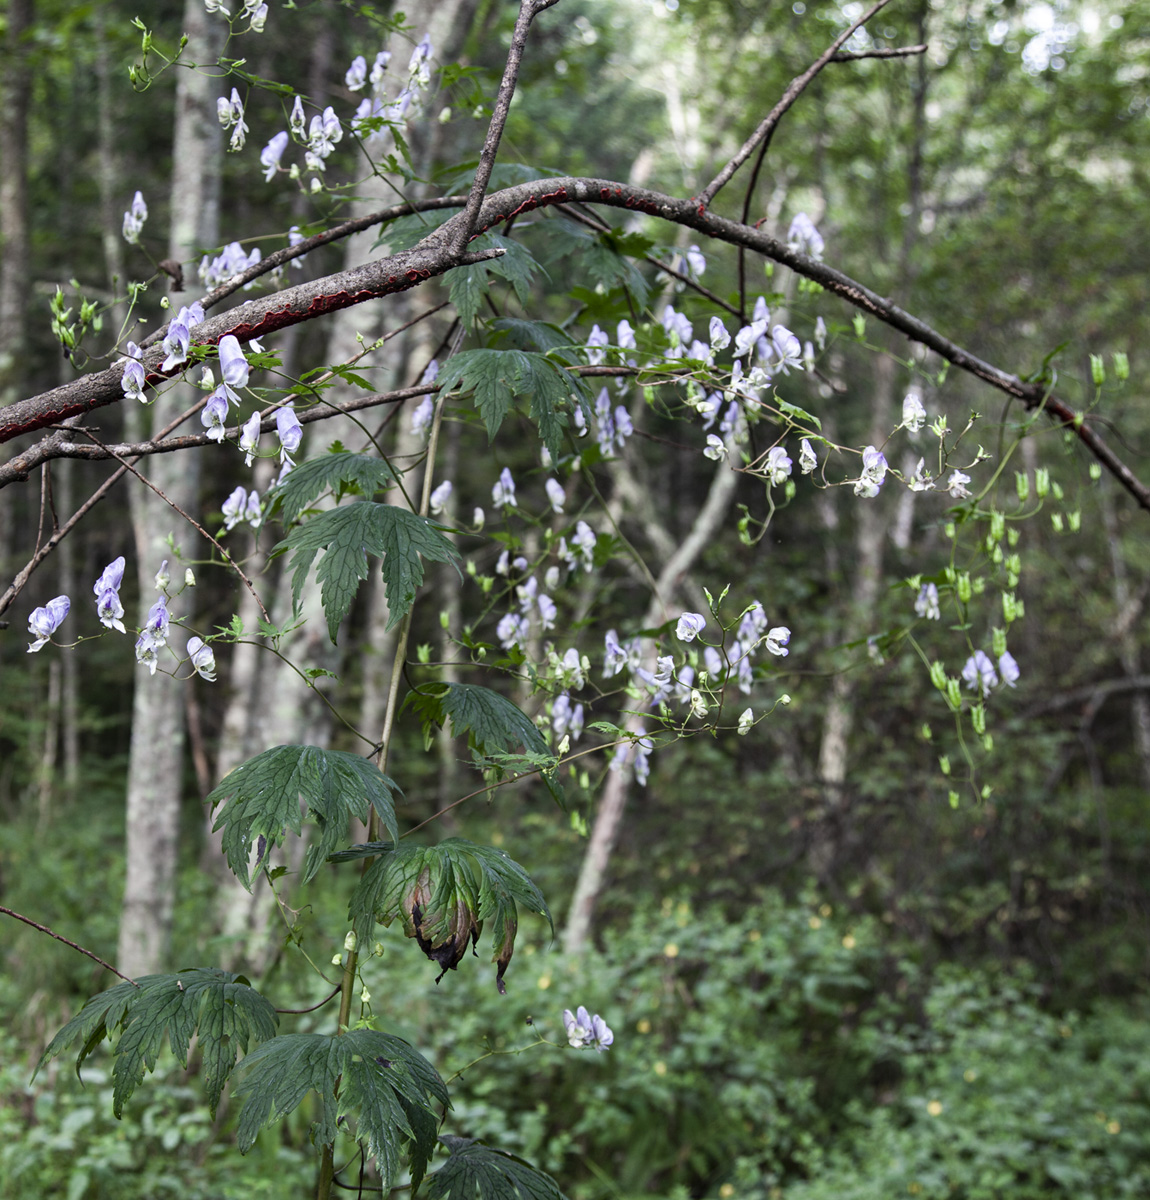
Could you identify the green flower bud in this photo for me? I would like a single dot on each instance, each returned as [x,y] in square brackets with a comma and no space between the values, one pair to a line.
[1021,485]
[1095,471]
[1041,482]
[1075,520]
[944,764]
[978,719]
[997,526]
[953,694]
[938,675]
[1056,521]
[998,641]
[1097,370]
[962,587]
[1121,365]
[988,742]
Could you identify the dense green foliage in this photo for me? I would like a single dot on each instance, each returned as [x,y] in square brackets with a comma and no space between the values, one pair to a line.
[925,978]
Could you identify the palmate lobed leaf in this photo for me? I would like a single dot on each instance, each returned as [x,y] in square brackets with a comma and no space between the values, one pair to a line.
[497,377]
[476,1171]
[380,1081]
[263,800]
[347,535]
[221,1009]
[492,723]
[341,471]
[444,894]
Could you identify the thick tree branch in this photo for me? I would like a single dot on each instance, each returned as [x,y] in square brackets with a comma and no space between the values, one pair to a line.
[393,274]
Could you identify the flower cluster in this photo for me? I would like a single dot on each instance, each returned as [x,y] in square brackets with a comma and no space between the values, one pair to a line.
[586,1031]
[240,506]
[979,674]
[230,111]
[230,262]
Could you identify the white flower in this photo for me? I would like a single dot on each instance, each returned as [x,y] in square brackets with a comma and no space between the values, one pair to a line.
[804,237]
[913,413]
[873,473]
[778,465]
[926,603]
[555,494]
[421,417]
[746,721]
[720,338]
[202,658]
[807,459]
[921,480]
[777,640]
[584,1030]
[956,485]
[716,448]
[440,496]
[503,492]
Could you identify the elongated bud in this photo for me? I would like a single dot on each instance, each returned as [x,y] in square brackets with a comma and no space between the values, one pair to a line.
[1041,482]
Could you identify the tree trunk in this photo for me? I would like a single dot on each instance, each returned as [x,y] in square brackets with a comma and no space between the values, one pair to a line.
[157,747]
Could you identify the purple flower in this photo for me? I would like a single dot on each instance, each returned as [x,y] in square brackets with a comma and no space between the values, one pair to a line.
[107,589]
[133,379]
[156,626]
[176,345]
[46,620]
[233,366]
[690,626]
[979,673]
[214,418]
[586,1031]
[272,153]
[289,432]
[1008,668]
[503,493]
[595,341]
[233,508]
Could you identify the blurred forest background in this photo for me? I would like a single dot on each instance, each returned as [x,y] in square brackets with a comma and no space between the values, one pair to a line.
[824,979]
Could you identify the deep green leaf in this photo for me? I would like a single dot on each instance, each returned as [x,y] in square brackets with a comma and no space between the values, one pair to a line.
[475,1171]
[220,1008]
[263,800]
[399,537]
[443,894]
[383,1084]
[342,472]
[497,377]
[530,335]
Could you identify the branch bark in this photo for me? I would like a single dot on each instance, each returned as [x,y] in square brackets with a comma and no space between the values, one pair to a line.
[433,257]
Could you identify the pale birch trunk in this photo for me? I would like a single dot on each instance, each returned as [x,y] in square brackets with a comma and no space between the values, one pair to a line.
[157,748]
[609,816]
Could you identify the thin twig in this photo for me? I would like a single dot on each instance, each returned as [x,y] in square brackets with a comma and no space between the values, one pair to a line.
[794,89]
[67,942]
[231,562]
[299,1011]
[499,113]
[892,52]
